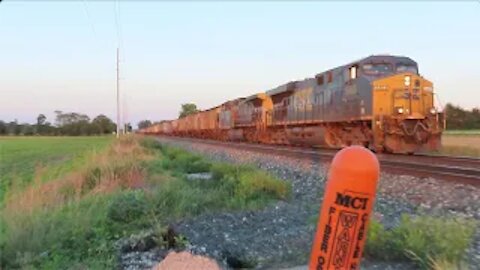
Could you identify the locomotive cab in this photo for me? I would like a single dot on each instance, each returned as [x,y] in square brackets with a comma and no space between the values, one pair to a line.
[251,120]
[405,119]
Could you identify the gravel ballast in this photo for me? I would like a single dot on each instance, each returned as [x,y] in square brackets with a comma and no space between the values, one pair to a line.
[280,235]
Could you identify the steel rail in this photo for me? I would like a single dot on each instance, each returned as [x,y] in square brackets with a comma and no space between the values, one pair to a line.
[461,169]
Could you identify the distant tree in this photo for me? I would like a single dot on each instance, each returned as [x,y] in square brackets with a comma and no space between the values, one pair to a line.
[459,118]
[475,115]
[472,120]
[58,117]
[69,123]
[3,128]
[455,116]
[187,108]
[63,119]
[41,118]
[27,129]
[14,128]
[48,129]
[39,127]
[144,124]
[103,125]
[11,127]
[73,124]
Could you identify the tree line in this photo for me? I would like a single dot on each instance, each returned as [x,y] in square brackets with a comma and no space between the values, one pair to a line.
[459,118]
[66,124]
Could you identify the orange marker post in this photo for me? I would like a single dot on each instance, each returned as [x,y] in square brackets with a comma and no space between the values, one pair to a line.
[345,213]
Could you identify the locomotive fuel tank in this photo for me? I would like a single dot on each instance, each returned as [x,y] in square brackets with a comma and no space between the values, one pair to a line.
[308,135]
[236,135]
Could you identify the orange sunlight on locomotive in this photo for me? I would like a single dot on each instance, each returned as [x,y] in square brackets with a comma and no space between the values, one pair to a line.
[380,102]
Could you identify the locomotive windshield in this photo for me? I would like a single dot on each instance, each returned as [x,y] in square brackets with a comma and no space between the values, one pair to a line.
[375,69]
[406,68]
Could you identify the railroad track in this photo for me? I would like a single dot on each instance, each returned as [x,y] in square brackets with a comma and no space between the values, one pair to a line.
[460,169]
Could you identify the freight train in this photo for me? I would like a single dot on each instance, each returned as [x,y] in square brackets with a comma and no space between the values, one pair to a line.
[380,102]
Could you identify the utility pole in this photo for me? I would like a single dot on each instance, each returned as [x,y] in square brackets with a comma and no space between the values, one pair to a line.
[118,95]
[124,113]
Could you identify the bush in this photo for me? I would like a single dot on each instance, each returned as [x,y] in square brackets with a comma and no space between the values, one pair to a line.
[246,183]
[128,207]
[182,161]
[255,184]
[155,166]
[379,243]
[176,198]
[225,170]
[56,239]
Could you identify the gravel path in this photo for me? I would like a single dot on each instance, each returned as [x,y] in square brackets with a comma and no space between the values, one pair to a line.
[280,235]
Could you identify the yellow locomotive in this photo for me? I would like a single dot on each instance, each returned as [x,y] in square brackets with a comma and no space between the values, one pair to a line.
[379,101]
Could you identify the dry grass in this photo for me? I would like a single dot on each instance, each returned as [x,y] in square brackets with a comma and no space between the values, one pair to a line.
[442,264]
[461,145]
[22,159]
[105,172]
[57,216]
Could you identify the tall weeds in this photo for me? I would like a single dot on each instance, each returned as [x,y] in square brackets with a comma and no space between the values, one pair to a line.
[118,167]
[49,216]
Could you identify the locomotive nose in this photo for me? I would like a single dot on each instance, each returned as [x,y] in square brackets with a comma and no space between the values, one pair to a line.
[411,98]
[403,107]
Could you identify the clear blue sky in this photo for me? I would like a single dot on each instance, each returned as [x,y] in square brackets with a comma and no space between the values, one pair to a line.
[61,54]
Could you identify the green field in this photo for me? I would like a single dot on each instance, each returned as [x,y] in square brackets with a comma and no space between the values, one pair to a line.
[462,132]
[23,158]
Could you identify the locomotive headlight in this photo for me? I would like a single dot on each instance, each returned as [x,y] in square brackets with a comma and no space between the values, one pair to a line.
[407,80]
[399,110]
[433,110]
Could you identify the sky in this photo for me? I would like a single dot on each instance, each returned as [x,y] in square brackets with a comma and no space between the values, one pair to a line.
[61,55]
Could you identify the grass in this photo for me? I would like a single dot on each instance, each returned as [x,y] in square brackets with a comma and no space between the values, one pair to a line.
[434,243]
[470,132]
[49,224]
[430,242]
[231,187]
[73,219]
[129,186]
[461,144]
[24,158]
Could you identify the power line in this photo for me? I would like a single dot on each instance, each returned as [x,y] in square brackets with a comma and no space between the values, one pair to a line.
[92,25]
[118,25]
[120,29]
